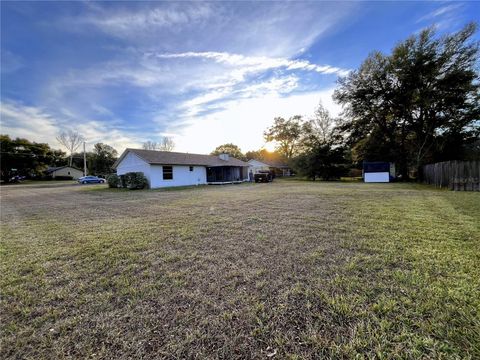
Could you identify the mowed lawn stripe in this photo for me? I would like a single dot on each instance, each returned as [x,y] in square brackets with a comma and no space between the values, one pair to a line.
[297,268]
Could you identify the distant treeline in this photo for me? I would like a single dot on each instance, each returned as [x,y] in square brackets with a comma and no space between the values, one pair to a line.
[23,157]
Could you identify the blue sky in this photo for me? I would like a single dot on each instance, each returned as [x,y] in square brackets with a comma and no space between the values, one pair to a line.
[204,73]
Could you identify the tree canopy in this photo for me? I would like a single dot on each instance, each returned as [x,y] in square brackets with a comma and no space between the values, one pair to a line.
[26,158]
[412,105]
[273,157]
[287,134]
[322,153]
[230,149]
[102,159]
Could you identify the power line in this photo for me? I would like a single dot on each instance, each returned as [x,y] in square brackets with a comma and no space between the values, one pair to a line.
[35,155]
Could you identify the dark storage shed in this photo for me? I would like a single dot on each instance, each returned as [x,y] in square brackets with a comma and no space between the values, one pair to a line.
[378,171]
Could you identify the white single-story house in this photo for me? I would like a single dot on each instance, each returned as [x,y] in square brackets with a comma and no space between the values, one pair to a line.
[280,169]
[64,171]
[378,171]
[167,168]
[255,166]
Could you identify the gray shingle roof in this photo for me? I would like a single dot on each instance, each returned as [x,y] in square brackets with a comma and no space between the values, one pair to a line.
[52,169]
[177,158]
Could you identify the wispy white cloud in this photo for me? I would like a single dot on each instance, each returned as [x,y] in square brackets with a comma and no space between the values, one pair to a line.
[240,78]
[275,28]
[242,121]
[444,18]
[203,80]
[160,67]
[27,122]
[256,63]
[128,23]
[36,124]
[442,11]
[10,62]
[219,99]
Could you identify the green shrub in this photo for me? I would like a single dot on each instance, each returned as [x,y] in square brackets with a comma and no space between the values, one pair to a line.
[355,173]
[63,177]
[113,181]
[135,180]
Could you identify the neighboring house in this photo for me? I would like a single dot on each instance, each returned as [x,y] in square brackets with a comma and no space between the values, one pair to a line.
[280,169]
[166,168]
[64,171]
[378,171]
[255,166]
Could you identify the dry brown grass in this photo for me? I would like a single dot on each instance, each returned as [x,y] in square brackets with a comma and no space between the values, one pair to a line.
[290,269]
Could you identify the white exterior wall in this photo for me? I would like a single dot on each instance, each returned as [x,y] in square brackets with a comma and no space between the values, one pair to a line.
[182,176]
[132,163]
[377,177]
[256,166]
[68,171]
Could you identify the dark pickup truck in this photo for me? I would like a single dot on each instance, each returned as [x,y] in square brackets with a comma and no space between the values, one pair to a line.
[263,176]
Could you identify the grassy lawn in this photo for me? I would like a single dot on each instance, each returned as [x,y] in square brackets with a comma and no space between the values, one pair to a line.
[43,183]
[289,270]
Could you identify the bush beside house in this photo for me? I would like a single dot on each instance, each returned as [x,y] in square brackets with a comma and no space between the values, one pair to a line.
[130,180]
[113,181]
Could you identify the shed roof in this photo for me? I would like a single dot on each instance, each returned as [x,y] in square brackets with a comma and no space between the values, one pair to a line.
[177,158]
[53,169]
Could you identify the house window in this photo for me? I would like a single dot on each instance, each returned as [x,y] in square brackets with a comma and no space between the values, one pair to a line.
[167,173]
[191,168]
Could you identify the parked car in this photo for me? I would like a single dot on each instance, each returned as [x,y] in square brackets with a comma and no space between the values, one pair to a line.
[17,178]
[91,180]
[263,176]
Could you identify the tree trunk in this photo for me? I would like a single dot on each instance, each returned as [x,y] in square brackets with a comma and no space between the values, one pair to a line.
[403,157]
[404,170]
[419,172]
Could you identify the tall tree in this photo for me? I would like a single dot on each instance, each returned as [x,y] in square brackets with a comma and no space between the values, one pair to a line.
[71,140]
[266,156]
[321,160]
[287,134]
[23,157]
[414,100]
[102,159]
[323,154]
[230,149]
[322,124]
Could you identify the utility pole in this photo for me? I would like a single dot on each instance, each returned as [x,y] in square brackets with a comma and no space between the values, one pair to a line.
[84,160]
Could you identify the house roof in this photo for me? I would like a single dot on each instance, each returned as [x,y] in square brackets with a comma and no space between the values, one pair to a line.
[177,158]
[52,169]
[274,164]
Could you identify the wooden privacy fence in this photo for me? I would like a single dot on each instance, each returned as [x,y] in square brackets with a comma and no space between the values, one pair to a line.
[455,175]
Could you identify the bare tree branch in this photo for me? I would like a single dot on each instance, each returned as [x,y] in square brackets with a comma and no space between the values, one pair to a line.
[166,144]
[150,145]
[71,140]
[322,124]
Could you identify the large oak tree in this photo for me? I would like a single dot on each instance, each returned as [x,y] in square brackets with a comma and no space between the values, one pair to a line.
[411,105]
[230,149]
